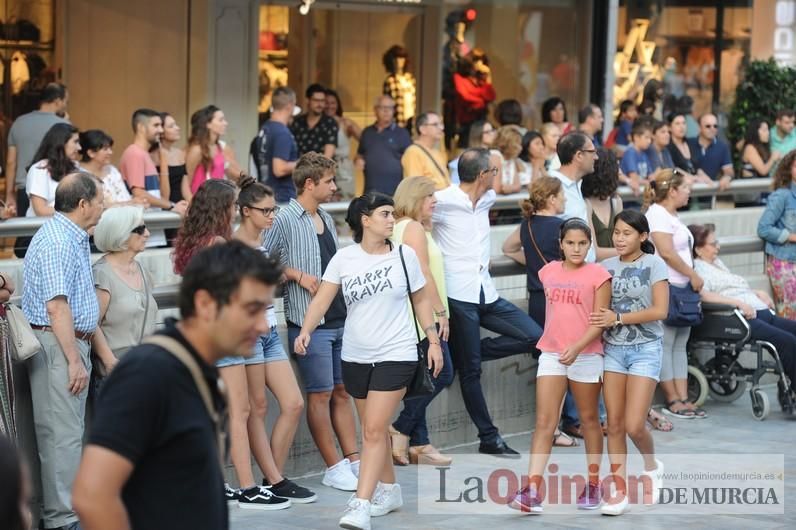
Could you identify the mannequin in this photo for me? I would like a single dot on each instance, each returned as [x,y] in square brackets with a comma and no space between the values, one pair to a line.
[400,85]
[456,23]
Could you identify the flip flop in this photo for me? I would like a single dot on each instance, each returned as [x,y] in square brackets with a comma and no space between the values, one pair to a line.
[562,439]
[683,413]
[573,430]
[658,422]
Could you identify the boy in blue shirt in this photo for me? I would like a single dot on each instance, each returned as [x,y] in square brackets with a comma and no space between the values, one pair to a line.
[635,163]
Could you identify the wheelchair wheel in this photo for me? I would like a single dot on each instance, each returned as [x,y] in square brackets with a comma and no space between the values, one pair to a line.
[760,404]
[726,383]
[697,386]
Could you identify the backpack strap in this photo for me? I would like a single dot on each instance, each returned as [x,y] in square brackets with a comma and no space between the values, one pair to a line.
[181,353]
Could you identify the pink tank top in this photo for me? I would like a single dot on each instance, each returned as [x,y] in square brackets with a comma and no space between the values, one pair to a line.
[216,170]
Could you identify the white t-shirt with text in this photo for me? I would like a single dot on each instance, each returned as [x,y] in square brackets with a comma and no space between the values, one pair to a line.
[379,325]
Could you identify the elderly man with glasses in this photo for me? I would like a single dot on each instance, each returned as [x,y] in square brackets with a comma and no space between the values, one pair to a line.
[424,157]
[461,229]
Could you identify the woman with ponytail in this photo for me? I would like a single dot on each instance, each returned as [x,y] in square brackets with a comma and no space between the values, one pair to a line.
[668,191]
[633,342]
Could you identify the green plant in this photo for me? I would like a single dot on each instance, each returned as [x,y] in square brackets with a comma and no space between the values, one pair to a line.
[766,88]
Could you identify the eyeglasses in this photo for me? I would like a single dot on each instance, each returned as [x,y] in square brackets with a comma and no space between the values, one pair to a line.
[714,244]
[318,100]
[488,131]
[592,151]
[493,170]
[140,229]
[385,107]
[265,211]
[711,126]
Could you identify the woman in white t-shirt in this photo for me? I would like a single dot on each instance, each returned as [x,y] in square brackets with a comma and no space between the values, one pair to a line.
[55,158]
[667,192]
[379,341]
[97,147]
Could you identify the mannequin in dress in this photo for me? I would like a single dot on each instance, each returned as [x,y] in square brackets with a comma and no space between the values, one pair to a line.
[456,23]
[400,85]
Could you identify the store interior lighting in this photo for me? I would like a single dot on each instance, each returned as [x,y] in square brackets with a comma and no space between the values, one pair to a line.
[305,6]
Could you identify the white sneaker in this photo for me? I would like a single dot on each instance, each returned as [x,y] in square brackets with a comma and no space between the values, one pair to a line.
[386,498]
[616,509]
[656,478]
[340,477]
[357,515]
[355,468]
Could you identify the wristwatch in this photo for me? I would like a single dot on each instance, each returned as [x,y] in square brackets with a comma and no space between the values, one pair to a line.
[172,206]
[618,319]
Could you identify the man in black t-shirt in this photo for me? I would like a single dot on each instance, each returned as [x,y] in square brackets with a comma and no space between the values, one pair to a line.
[314,131]
[152,459]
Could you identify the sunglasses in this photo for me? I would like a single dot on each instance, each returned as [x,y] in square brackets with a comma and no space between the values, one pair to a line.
[711,126]
[265,211]
[140,229]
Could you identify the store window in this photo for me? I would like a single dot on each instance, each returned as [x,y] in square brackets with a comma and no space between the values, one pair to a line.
[698,49]
[536,49]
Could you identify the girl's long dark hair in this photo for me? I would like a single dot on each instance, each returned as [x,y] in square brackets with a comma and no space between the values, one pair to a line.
[638,222]
[11,492]
[52,149]
[752,137]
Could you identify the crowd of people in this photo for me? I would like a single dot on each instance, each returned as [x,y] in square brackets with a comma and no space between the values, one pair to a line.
[600,277]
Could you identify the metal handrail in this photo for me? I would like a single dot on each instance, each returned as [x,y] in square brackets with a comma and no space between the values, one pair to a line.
[27,226]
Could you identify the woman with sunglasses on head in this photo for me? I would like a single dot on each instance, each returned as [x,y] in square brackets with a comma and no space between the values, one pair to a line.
[375,277]
[269,365]
[208,221]
[128,309]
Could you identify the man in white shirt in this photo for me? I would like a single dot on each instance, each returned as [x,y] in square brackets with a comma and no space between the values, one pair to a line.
[578,155]
[461,229]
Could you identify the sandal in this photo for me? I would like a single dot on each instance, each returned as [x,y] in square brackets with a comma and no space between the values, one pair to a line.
[400,447]
[698,411]
[574,431]
[684,412]
[604,427]
[428,455]
[658,422]
[562,439]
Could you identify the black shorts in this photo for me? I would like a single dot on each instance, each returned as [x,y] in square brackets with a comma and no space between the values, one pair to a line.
[385,376]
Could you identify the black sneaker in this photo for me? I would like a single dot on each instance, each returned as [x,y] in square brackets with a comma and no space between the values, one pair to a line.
[290,490]
[232,495]
[261,498]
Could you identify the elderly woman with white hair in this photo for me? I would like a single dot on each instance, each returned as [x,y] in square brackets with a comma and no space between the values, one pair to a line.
[124,289]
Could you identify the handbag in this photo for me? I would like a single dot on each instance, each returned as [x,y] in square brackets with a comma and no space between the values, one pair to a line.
[421,384]
[24,343]
[685,307]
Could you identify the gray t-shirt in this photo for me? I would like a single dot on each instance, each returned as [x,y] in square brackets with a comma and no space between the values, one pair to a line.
[631,291]
[26,134]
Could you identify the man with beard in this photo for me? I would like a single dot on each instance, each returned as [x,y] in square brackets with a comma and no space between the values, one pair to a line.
[139,170]
[314,130]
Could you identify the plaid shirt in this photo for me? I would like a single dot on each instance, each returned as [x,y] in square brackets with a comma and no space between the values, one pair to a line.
[294,240]
[58,263]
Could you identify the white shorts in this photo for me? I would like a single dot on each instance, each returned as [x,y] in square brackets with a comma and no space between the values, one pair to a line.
[587,368]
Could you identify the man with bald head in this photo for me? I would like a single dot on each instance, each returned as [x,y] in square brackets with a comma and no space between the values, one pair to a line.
[61,306]
[381,147]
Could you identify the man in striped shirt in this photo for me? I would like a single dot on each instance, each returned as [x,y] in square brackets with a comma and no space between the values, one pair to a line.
[305,239]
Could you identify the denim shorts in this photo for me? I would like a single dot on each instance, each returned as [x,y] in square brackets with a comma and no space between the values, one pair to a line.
[267,349]
[321,367]
[643,360]
[233,360]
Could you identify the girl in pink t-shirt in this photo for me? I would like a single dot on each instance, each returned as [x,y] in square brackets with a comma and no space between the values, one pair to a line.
[572,355]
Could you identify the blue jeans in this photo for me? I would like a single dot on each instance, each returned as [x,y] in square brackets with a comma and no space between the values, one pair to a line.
[412,420]
[518,334]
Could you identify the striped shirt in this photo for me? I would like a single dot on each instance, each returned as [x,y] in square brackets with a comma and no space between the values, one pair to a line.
[58,263]
[293,238]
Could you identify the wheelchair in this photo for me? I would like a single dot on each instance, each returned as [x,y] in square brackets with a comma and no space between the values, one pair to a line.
[726,333]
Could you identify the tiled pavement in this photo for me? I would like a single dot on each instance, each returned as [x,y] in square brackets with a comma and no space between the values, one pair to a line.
[730,429]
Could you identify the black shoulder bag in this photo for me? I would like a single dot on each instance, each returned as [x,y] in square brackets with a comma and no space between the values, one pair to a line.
[421,384]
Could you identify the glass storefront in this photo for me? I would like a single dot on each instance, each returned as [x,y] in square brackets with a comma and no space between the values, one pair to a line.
[697,49]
